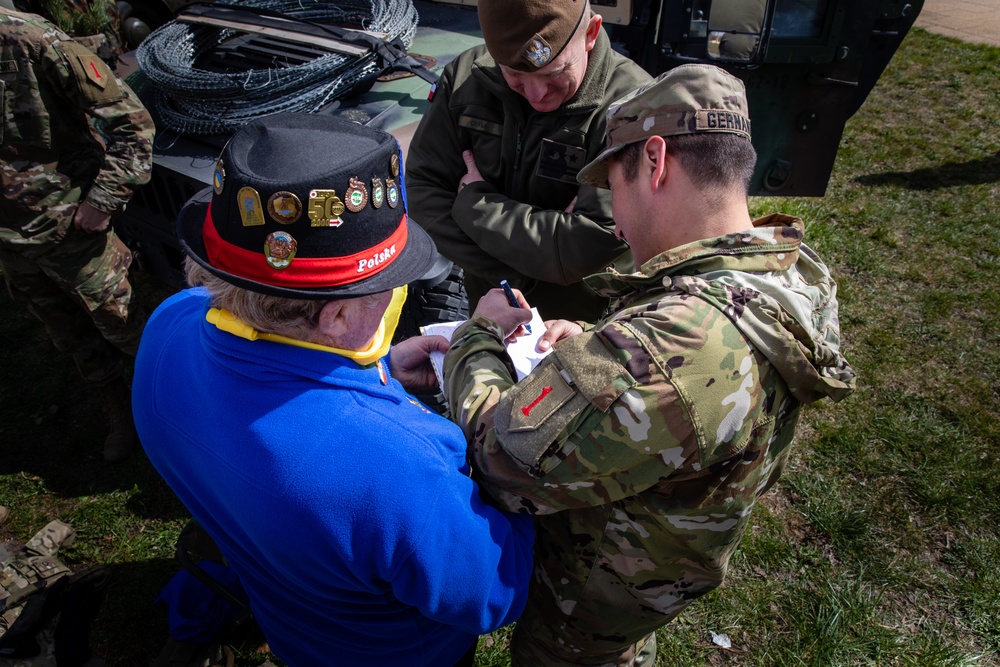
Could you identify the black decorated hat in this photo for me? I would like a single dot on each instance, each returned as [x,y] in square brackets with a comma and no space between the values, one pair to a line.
[306,206]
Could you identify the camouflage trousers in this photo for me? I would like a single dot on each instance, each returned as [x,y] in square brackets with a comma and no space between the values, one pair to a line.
[528,649]
[79,289]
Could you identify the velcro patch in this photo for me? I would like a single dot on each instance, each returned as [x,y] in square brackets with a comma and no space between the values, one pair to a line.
[96,80]
[531,416]
[8,66]
[597,374]
[561,162]
[480,125]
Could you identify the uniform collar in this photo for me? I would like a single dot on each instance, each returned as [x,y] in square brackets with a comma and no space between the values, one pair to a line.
[772,244]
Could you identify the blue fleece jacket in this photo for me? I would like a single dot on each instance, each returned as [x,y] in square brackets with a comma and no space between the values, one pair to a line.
[342,503]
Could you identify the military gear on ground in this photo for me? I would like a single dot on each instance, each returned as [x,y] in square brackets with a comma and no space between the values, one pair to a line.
[41,597]
[514,226]
[642,445]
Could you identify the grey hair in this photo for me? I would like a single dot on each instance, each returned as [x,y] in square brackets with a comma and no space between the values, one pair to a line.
[295,318]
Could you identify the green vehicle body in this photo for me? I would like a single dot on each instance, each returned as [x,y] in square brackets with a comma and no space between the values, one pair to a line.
[808,66]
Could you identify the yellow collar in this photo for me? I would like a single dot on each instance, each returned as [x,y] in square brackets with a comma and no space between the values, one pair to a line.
[377,348]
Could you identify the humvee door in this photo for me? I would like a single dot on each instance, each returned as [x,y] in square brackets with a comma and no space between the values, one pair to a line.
[808,66]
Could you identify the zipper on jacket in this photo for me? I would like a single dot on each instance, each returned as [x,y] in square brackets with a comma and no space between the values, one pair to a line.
[514,187]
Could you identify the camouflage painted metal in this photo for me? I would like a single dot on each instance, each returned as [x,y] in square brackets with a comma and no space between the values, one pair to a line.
[642,444]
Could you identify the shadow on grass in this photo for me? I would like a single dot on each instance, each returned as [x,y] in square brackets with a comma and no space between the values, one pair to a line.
[131,629]
[53,426]
[974,172]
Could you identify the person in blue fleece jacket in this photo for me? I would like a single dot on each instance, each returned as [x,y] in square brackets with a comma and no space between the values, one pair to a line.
[270,401]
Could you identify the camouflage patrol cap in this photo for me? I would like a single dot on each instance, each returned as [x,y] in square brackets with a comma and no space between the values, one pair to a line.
[689,99]
[527,35]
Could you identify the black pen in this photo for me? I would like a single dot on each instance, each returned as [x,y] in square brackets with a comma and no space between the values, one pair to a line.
[512,300]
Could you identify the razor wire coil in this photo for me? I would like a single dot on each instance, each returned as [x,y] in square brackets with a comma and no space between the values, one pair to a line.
[197,101]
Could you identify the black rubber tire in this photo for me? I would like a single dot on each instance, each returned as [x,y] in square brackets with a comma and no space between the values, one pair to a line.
[445,301]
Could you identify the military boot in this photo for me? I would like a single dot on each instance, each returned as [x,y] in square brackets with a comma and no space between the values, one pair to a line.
[122,437]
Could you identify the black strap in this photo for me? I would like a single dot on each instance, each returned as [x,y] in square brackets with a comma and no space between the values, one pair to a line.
[392,54]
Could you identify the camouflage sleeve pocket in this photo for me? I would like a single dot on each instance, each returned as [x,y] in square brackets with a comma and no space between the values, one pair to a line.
[532,419]
[95,81]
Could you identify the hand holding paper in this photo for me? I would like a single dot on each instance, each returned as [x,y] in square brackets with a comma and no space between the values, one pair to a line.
[523,351]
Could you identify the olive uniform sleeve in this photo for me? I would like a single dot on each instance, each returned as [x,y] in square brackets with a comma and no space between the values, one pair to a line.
[116,118]
[549,245]
[434,166]
[579,431]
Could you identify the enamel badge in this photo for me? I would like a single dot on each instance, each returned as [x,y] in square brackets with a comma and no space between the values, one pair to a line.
[391,193]
[325,208]
[357,196]
[218,178]
[250,209]
[284,207]
[378,193]
[279,249]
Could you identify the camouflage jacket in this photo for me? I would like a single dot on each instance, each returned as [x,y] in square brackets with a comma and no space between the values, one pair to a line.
[643,443]
[71,132]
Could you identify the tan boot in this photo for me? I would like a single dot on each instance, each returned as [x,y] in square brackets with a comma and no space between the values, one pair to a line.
[4,513]
[122,438]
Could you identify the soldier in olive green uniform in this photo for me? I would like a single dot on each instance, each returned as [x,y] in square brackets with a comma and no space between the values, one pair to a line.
[76,142]
[642,443]
[491,170]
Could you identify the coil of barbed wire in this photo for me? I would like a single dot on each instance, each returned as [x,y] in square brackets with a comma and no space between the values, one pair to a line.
[198,101]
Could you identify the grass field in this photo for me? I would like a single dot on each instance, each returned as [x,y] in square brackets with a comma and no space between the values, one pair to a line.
[881,544]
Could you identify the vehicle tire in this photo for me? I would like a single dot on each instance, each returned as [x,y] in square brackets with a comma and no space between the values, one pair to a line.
[140,18]
[430,300]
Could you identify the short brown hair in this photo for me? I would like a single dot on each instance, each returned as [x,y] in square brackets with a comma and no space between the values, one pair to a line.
[710,160]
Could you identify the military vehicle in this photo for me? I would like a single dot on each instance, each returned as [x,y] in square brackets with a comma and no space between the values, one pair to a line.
[808,66]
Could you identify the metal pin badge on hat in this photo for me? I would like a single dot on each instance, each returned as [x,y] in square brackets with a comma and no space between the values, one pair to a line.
[391,192]
[378,194]
[357,196]
[218,178]
[325,208]
[251,212]
[284,207]
[279,249]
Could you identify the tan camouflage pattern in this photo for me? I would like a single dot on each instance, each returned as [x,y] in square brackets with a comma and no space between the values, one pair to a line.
[642,444]
[27,570]
[96,24]
[80,291]
[71,132]
[689,99]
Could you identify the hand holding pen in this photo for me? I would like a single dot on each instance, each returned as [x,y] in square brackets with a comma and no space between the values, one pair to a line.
[497,304]
[512,300]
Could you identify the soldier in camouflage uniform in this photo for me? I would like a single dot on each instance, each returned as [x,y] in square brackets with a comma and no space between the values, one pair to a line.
[76,142]
[642,443]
